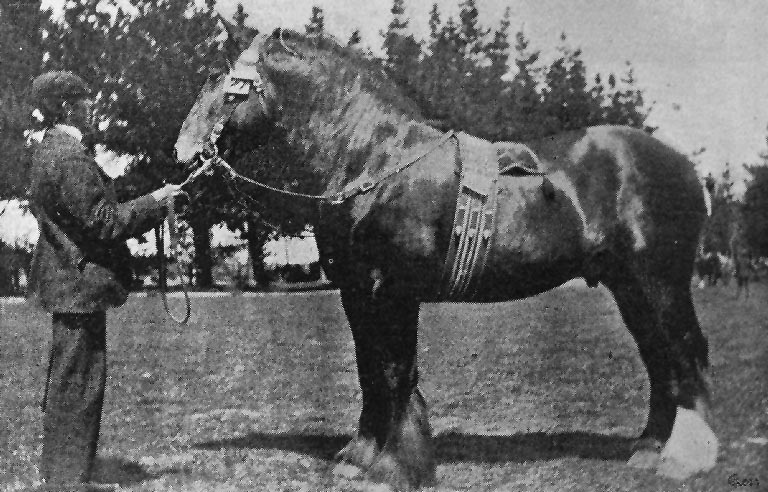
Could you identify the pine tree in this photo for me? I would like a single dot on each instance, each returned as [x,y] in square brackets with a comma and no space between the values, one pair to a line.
[498,91]
[719,227]
[525,112]
[567,101]
[470,34]
[354,39]
[316,26]
[755,207]
[432,67]
[624,104]
[240,15]
[402,51]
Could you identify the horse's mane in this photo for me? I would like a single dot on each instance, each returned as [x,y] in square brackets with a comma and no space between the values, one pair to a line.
[346,66]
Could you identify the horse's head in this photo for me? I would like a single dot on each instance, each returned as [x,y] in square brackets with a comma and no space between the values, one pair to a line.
[230,103]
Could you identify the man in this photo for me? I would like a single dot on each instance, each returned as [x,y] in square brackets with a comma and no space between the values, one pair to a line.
[80,268]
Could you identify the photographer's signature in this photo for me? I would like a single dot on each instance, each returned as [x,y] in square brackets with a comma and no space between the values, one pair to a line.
[735,480]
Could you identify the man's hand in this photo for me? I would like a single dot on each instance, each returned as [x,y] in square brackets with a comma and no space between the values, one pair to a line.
[162,195]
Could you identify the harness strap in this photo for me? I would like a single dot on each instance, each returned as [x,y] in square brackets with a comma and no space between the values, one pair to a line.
[361,186]
[472,233]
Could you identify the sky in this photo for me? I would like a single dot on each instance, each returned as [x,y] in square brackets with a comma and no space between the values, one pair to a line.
[703,63]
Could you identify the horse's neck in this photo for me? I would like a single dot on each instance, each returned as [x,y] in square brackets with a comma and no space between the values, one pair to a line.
[359,134]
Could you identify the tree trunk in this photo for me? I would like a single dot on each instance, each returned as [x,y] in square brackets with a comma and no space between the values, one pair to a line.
[162,273]
[203,260]
[256,235]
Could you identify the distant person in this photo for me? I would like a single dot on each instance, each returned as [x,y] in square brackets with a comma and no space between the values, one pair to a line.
[80,268]
[743,270]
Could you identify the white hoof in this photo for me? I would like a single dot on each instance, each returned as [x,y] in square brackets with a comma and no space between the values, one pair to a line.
[691,448]
[345,470]
[644,459]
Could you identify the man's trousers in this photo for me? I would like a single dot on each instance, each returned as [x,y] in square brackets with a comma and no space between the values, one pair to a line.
[74,397]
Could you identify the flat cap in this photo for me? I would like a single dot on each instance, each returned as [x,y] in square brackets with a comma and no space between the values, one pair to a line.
[59,85]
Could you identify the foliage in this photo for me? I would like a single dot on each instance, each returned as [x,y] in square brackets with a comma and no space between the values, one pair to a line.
[721,226]
[20,60]
[755,209]
[462,76]
[316,26]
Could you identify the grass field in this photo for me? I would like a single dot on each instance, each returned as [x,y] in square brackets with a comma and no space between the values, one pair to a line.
[257,394]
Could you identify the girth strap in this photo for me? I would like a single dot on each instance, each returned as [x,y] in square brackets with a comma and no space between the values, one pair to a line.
[473,224]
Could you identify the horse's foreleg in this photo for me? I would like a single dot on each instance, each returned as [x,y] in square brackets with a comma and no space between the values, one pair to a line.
[406,459]
[362,450]
[393,443]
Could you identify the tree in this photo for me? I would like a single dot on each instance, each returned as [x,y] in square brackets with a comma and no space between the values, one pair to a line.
[622,104]
[755,207]
[719,229]
[524,113]
[21,55]
[402,51]
[354,39]
[316,26]
[496,97]
[567,103]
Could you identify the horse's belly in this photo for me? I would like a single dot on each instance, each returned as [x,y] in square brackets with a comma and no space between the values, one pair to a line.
[538,242]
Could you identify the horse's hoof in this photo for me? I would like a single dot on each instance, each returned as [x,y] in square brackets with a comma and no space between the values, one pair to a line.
[389,471]
[360,452]
[645,453]
[691,448]
[403,475]
[644,459]
[346,470]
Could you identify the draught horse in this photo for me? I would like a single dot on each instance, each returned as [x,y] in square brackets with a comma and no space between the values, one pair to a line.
[616,207]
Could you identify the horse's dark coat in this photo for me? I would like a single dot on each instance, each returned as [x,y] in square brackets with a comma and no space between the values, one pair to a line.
[622,208]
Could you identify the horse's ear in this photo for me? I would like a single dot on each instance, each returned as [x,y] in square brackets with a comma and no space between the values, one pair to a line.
[238,38]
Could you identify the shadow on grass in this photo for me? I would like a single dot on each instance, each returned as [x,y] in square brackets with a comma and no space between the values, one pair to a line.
[452,447]
[116,470]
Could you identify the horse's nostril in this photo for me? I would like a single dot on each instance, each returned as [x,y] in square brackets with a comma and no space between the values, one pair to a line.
[175,154]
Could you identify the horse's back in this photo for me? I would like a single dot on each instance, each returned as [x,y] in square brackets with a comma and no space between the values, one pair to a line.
[629,183]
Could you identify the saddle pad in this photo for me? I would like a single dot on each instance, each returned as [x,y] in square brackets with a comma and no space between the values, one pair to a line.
[474,220]
[516,159]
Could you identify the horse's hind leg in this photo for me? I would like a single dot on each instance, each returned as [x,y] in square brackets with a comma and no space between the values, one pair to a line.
[661,317]
[638,314]
[692,446]
[394,442]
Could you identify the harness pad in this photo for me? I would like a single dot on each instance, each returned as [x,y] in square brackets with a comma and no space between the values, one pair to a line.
[476,206]
[474,220]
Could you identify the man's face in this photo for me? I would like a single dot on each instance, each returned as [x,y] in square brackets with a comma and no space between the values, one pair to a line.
[80,115]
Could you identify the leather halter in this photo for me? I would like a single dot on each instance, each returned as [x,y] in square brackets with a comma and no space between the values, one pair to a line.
[238,84]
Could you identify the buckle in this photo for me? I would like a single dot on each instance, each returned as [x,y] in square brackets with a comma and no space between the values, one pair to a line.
[336,198]
[235,86]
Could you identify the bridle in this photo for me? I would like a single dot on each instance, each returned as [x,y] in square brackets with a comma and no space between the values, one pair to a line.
[237,87]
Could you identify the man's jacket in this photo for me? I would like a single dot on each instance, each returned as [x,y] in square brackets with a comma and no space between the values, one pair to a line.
[81,262]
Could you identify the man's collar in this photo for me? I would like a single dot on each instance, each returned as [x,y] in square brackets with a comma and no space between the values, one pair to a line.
[71,130]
